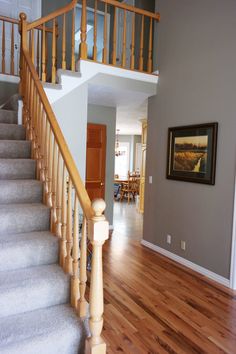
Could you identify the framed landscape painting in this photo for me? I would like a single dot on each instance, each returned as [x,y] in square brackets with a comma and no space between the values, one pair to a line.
[192,153]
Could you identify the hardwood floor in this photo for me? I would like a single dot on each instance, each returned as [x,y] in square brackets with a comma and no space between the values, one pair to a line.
[153,305]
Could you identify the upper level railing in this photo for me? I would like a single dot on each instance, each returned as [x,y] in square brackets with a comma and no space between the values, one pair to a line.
[109,32]
[9,56]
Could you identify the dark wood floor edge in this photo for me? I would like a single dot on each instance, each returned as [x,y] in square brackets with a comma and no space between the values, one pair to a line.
[188,270]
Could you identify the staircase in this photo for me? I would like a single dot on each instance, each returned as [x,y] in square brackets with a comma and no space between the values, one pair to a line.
[35,314]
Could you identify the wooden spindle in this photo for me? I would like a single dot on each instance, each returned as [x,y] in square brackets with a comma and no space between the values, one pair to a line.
[141,45]
[41,137]
[59,188]
[64,42]
[82,305]
[32,52]
[12,50]
[3,48]
[150,47]
[132,57]
[68,261]
[75,256]
[50,168]
[114,38]
[124,42]
[104,54]
[98,233]
[64,215]
[54,51]
[38,53]
[95,32]
[73,41]
[44,54]
[83,43]
[54,186]
[46,159]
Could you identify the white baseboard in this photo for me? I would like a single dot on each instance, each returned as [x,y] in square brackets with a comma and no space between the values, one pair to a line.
[218,278]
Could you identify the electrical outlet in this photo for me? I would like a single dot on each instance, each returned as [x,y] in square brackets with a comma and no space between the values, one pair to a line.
[168,239]
[150,179]
[183,245]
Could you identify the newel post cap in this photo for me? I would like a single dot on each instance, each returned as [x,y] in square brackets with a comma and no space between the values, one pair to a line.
[23,16]
[99,207]
[98,226]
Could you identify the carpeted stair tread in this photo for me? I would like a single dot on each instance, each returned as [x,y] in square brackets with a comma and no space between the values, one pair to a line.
[15,149]
[9,117]
[17,169]
[20,218]
[33,288]
[12,132]
[20,191]
[27,250]
[49,331]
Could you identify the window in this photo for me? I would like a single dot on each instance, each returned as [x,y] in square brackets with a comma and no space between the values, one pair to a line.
[122,161]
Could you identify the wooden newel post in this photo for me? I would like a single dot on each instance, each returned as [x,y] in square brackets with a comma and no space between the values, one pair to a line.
[23,32]
[98,234]
[83,43]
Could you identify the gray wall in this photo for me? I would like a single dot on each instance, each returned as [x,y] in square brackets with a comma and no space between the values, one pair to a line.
[197,50]
[106,116]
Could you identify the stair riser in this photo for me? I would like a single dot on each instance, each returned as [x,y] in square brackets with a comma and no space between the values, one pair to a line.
[49,331]
[12,103]
[28,254]
[17,169]
[24,220]
[13,192]
[8,117]
[10,149]
[12,132]
[30,297]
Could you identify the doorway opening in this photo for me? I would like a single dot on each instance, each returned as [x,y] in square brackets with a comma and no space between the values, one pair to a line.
[129,178]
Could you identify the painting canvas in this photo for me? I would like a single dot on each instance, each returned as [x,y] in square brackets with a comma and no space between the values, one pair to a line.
[192,153]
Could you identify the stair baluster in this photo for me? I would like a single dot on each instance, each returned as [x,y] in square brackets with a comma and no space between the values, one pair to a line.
[75,256]
[82,303]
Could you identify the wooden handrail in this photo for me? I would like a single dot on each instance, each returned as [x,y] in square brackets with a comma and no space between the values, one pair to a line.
[16,22]
[52,15]
[68,159]
[9,19]
[155,16]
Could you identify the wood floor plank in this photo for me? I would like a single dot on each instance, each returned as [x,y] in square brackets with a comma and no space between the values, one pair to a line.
[155,306]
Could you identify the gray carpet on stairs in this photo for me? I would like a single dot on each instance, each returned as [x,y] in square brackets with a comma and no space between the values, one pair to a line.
[34,291]
[15,149]
[20,191]
[7,116]
[27,250]
[54,330]
[12,131]
[17,169]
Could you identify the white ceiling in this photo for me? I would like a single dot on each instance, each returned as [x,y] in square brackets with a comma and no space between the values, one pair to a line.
[131,106]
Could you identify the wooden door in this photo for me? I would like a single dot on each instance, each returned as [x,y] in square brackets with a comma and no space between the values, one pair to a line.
[96,160]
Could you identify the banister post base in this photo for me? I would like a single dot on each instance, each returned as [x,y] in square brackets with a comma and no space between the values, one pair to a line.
[93,348]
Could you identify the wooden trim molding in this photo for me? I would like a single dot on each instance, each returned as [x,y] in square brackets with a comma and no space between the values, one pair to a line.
[195,267]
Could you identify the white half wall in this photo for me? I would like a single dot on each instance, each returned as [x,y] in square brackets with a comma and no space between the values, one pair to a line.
[71,113]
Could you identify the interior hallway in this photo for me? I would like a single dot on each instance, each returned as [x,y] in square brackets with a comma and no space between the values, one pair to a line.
[154,306]
[127,221]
